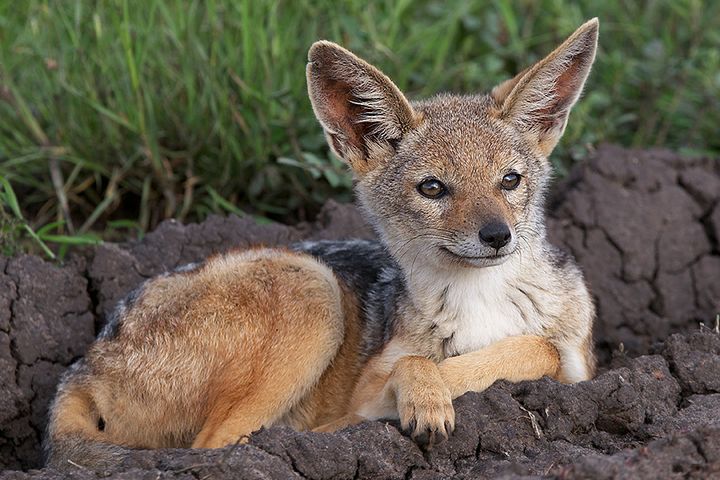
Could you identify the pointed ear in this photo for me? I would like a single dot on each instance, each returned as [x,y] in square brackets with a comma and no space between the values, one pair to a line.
[538,100]
[363,113]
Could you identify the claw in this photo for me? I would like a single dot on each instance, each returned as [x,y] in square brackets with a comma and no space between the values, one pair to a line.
[449,428]
[412,426]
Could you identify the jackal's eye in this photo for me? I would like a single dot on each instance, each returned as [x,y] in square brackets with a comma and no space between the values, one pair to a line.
[510,181]
[431,188]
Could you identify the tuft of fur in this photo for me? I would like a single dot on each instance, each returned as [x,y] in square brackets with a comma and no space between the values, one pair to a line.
[360,109]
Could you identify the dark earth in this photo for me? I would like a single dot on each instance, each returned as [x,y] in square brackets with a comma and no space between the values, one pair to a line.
[645,227]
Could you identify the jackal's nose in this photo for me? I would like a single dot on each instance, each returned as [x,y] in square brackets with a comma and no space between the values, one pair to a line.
[495,234]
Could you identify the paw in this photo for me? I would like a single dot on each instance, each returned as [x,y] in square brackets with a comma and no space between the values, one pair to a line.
[429,417]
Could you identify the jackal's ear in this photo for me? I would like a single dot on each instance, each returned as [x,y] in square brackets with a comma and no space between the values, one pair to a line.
[363,113]
[538,100]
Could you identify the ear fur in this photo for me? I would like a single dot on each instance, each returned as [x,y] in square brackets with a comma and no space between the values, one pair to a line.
[539,99]
[361,110]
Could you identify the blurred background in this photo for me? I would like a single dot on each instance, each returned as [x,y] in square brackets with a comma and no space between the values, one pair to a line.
[117,114]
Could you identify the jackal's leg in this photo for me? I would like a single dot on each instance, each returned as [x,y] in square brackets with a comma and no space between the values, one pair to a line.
[277,382]
[525,357]
[232,420]
[423,401]
[408,387]
[284,355]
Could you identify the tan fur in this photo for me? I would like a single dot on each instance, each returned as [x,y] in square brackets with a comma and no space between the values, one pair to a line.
[267,337]
[73,412]
[514,358]
[331,398]
[407,386]
[212,355]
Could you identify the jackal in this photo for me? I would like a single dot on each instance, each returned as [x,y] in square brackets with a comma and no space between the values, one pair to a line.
[462,289]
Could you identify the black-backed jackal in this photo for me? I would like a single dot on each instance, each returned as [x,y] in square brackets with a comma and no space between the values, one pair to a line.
[462,290]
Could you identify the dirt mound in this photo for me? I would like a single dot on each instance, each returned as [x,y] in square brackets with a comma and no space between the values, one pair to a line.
[643,224]
[645,227]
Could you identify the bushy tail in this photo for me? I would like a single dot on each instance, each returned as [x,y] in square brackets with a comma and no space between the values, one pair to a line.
[72,451]
[74,433]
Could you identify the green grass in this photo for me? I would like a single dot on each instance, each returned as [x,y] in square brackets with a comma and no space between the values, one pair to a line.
[13,225]
[117,114]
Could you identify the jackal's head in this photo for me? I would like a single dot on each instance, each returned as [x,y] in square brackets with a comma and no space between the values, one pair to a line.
[453,180]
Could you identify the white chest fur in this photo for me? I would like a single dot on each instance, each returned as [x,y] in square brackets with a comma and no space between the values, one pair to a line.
[476,308]
[478,314]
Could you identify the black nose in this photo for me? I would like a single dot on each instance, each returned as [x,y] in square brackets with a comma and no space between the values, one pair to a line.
[495,234]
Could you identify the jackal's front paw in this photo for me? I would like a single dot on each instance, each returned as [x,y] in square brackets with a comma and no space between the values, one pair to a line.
[428,416]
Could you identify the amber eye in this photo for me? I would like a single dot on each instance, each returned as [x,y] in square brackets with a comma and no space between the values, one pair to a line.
[510,181]
[431,188]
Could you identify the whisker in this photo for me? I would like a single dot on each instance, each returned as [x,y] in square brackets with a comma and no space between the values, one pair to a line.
[431,234]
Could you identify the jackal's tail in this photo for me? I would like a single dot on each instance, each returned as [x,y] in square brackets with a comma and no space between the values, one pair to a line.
[74,433]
